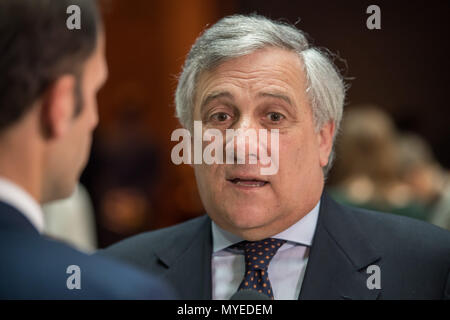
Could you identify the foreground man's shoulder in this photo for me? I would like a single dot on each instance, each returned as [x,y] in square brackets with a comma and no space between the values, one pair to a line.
[165,236]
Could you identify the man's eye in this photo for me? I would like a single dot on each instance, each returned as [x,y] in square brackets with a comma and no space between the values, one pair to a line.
[275,116]
[220,117]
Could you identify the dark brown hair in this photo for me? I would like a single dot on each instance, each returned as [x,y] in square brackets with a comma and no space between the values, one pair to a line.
[37,47]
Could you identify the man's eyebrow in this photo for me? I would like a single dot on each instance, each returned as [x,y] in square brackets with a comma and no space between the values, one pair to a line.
[276,96]
[215,95]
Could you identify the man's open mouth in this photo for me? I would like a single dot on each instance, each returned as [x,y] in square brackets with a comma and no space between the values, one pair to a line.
[248,182]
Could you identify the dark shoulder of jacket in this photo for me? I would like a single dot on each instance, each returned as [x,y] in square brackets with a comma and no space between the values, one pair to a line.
[144,244]
[387,230]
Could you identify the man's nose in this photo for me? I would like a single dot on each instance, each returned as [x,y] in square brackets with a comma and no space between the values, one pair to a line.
[242,141]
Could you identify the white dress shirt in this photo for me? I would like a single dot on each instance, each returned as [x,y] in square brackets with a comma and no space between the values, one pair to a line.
[18,198]
[286,270]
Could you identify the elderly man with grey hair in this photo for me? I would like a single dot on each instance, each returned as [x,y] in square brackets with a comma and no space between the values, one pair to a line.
[280,236]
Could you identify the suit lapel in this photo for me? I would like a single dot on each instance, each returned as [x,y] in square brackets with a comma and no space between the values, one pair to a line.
[189,262]
[338,258]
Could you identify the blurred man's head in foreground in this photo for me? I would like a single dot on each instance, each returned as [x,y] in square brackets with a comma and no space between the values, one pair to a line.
[49,78]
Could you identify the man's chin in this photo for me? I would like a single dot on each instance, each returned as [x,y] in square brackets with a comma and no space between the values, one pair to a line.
[249,223]
[68,191]
[60,193]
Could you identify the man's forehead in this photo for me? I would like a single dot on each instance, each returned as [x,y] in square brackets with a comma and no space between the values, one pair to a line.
[269,58]
[271,72]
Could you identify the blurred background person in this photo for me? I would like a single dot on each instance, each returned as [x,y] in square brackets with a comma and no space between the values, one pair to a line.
[424,175]
[367,170]
[441,213]
[379,167]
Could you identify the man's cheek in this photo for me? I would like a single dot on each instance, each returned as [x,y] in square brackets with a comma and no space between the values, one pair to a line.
[207,175]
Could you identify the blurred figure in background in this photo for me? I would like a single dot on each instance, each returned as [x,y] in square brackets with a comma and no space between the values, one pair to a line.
[441,211]
[419,169]
[380,168]
[428,181]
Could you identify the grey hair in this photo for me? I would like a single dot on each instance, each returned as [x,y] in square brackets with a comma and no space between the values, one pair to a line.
[238,35]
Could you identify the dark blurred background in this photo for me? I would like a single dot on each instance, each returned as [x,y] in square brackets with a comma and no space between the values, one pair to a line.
[397,106]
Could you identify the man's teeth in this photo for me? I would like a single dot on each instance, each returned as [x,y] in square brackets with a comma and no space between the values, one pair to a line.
[249,183]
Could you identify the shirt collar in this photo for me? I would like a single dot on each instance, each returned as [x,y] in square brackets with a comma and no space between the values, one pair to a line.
[301,232]
[17,197]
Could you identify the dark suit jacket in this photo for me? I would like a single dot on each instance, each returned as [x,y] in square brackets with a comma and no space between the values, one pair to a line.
[34,267]
[413,256]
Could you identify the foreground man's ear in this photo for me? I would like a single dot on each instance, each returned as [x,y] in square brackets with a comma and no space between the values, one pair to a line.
[58,106]
[325,140]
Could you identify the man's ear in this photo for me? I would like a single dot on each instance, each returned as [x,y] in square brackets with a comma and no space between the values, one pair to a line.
[58,106]
[325,139]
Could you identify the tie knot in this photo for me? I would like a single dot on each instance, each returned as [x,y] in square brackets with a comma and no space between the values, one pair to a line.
[258,254]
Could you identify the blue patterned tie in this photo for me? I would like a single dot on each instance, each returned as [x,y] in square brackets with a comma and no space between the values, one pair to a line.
[258,255]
